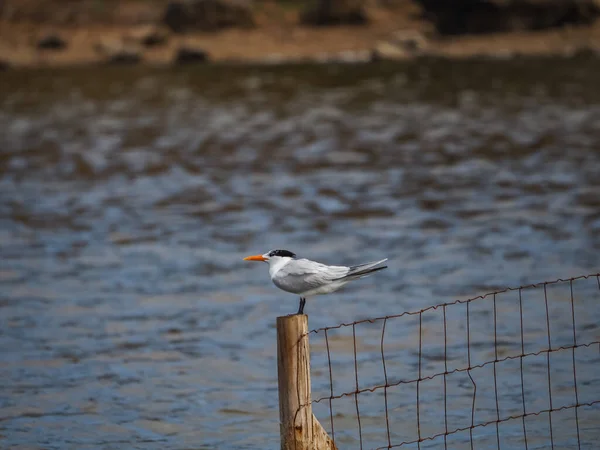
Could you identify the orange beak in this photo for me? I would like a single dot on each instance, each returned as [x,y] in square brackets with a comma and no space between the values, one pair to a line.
[255,258]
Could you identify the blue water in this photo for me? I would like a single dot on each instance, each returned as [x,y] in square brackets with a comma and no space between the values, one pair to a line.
[130,196]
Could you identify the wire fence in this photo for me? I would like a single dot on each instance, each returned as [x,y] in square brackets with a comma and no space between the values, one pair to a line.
[516,368]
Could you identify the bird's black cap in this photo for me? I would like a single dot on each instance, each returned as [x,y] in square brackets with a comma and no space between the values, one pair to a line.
[282,253]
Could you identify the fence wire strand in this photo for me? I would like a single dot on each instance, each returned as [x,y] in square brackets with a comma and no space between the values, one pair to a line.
[527,403]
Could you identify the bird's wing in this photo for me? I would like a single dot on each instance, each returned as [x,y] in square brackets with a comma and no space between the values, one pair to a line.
[301,275]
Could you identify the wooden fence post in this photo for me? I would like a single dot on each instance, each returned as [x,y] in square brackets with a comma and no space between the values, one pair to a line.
[300,429]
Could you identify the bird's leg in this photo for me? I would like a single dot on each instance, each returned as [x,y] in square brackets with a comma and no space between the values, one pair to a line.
[301,305]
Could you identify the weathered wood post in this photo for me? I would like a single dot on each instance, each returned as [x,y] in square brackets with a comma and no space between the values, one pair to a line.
[300,429]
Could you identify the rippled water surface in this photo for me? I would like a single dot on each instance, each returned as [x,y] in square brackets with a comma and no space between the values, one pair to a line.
[129,197]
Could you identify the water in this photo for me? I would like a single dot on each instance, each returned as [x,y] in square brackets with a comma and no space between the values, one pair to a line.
[128,198]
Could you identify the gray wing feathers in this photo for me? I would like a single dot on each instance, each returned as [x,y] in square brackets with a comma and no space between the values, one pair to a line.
[362,270]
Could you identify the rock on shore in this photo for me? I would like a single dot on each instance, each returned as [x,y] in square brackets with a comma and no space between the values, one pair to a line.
[491,16]
[190,55]
[334,12]
[51,41]
[207,15]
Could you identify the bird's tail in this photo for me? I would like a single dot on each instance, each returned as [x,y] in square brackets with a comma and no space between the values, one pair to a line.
[362,270]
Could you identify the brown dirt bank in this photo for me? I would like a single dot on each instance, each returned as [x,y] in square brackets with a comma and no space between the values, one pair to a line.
[394,32]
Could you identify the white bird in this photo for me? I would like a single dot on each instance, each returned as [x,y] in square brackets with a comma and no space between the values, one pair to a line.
[307,278]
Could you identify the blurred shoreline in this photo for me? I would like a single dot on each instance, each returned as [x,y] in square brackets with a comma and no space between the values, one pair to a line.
[137,36]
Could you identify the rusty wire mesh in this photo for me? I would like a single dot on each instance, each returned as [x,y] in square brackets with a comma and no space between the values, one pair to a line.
[516,368]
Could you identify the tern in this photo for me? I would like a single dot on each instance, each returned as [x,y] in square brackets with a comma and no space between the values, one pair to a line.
[307,278]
